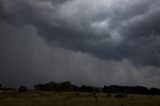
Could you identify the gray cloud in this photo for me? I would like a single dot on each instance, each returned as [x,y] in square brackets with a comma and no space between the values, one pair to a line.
[27,59]
[104,29]
[90,41]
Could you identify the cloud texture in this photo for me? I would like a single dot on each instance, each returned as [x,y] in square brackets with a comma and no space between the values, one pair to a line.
[92,41]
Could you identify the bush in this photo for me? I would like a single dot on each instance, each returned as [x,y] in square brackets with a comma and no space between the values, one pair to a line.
[22,89]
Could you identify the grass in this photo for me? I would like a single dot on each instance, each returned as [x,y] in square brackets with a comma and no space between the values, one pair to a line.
[74,99]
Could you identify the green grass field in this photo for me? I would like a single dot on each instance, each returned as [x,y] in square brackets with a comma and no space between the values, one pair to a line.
[74,99]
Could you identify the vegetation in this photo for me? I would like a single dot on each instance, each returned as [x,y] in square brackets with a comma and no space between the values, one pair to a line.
[48,98]
[67,94]
[69,87]
[22,89]
[52,86]
[131,90]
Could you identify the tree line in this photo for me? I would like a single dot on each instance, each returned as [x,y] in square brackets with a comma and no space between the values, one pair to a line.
[131,90]
[68,86]
[6,88]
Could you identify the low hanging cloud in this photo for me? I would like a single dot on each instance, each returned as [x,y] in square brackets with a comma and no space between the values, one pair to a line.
[108,29]
[27,59]
[91,41]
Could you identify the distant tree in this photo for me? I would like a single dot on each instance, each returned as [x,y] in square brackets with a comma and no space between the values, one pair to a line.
[85,88]
[75,88]
[50,86]
[0,85]
[66,86]
[126,89]
[97,90]
[8,89]
[22,89]
[105,89]
[154,91]
[39,87]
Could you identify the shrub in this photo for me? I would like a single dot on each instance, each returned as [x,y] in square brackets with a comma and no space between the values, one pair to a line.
[22,89]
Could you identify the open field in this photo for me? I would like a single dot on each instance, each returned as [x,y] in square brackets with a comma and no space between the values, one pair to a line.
[74,99]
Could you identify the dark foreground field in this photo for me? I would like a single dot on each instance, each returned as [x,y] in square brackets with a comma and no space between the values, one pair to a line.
[75,99]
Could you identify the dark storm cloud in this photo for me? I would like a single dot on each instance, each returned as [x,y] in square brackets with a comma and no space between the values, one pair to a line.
[105,29]
[102,28]
[108,30]
[26,59]
[81,41]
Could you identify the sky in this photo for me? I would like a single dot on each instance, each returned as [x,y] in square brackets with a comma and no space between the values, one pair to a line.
[94,42]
